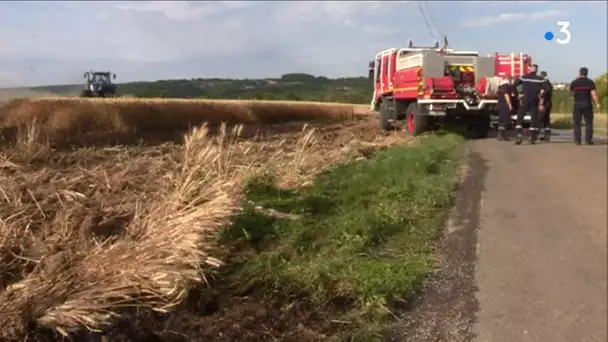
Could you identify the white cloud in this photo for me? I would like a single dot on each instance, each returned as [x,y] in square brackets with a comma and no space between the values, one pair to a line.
[511,18]
[339,12]
[181,10]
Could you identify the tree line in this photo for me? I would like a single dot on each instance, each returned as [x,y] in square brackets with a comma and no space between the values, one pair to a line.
[288,87]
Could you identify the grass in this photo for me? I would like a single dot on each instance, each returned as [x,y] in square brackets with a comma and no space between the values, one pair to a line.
[565,121]
[358,241]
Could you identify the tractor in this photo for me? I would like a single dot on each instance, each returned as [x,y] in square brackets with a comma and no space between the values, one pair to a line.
[99,84]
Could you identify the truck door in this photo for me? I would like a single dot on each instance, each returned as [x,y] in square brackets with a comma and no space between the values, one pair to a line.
[384,82]
[376,73]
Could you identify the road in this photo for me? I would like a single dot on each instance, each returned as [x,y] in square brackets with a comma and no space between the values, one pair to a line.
[525,250]
[541,268]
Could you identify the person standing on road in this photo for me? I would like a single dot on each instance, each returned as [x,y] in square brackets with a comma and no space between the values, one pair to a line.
[545,121]
[532,85]
[583,89]
[505,108]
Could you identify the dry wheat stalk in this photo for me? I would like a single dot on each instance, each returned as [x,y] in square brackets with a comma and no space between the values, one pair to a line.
[151,267]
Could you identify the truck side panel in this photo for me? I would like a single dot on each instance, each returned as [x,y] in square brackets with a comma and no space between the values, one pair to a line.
[407,83]
[433,65]
[485,67]
[512,65]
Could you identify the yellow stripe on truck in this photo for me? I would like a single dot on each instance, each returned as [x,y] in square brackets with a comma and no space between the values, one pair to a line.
[462,68]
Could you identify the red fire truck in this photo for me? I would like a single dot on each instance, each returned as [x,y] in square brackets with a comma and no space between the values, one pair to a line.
[428,86]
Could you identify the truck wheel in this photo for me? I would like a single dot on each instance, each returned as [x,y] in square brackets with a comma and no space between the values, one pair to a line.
[86,93]
[417,123]
[481,127]
[384,117]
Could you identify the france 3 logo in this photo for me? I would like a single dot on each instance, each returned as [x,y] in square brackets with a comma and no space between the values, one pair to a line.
[564,30]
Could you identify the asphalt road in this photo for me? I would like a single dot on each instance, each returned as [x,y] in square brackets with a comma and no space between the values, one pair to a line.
[541,269]
[524,251]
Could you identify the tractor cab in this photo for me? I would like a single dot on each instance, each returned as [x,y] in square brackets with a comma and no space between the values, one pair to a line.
[99,84]
[99,77]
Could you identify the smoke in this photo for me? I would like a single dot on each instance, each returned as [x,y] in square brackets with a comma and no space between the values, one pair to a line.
[16,93]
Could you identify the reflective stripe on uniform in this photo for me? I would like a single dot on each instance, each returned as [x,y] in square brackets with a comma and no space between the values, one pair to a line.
[523,79]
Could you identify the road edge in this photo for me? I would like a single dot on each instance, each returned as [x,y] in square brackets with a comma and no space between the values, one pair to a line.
[446,308]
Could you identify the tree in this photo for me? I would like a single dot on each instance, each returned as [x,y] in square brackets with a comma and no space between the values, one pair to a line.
[602,90]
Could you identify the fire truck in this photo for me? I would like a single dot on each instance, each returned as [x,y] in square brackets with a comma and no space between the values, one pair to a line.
[431,86]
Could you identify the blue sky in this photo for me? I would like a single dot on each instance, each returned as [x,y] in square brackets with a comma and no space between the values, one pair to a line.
[55,42]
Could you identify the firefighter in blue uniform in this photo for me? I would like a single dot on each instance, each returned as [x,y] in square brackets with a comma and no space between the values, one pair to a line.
[532,102]
[545,116]
[505,108]
[583,89]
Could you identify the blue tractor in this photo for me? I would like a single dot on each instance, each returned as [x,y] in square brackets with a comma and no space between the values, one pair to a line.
[99,84]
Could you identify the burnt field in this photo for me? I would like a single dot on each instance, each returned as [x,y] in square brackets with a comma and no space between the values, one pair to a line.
[199,220]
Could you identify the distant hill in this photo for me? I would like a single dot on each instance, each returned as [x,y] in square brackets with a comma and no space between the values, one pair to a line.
[294,87]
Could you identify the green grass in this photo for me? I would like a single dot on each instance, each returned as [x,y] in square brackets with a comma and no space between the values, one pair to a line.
[565,121]
[364,234]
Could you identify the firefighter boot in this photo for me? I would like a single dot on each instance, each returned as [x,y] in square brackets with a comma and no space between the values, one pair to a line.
[502,134]
[520,136]
[533,136]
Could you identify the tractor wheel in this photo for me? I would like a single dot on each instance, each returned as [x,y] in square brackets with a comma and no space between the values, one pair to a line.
[417,123]
[384,117]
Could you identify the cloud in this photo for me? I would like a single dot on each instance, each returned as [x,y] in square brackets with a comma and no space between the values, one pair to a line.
[181,10]
[337,12]
[511,18]
[149,40]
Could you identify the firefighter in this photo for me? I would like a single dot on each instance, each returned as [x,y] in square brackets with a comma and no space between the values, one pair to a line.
[545,116]
[532,85]
[505,108]
[583,89]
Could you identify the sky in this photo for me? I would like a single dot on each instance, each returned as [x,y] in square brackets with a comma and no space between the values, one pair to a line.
[46,42]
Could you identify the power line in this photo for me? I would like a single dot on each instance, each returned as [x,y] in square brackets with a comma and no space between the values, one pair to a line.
[433,21]
[428,27]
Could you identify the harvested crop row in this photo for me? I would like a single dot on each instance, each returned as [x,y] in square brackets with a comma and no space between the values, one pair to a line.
[68,119]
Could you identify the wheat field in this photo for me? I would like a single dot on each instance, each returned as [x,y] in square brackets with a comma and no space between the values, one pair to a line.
[91,230]
[64,120]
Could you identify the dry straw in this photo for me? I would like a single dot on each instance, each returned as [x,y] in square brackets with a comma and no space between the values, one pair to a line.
[58,279]
[151,265]
[69,118]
